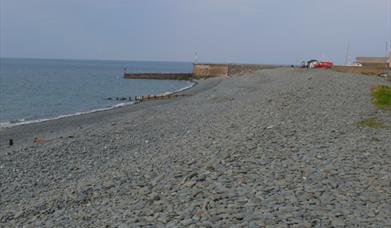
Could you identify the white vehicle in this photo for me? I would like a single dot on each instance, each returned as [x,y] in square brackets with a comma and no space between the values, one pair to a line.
[312,63]
[357,64]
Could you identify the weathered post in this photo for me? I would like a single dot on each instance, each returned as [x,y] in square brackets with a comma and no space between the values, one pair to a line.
[388,73]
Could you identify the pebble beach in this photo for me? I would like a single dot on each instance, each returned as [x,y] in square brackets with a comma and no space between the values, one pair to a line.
[274,148]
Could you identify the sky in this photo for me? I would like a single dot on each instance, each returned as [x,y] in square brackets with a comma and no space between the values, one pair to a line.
[221,31]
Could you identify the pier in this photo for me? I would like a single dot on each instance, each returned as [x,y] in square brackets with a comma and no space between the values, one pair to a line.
[204,70]
[160,76]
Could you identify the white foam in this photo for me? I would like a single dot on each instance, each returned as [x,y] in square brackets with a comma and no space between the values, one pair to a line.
[11,124]
[23,122]
[179,90]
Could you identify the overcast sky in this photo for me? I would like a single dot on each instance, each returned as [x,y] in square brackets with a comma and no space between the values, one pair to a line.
[252,31]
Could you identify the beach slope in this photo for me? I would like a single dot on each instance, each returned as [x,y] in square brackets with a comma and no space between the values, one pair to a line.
[276,147]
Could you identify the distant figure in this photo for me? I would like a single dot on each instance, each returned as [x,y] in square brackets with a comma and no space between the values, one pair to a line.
[125,70]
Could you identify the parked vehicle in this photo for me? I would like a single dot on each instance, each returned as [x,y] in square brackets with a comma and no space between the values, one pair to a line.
[324,64]
[312,63]
[356,64]
[318,64]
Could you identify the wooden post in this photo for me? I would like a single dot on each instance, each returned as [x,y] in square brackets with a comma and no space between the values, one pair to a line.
[388,73]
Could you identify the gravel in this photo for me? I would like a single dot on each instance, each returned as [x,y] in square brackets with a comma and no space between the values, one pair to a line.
[275,148]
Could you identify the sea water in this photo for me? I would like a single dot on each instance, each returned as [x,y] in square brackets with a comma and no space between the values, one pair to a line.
[37,89]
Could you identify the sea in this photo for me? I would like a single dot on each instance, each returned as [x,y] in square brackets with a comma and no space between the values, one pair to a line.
[34,90]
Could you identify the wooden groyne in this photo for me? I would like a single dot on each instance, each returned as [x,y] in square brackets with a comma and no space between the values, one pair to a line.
[149,97]
[160,97]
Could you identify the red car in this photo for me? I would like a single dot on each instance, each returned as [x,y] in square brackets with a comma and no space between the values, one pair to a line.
[324,64]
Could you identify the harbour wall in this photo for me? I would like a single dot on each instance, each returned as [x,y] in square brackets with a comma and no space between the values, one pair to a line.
[204,70]
[210,70]
[160,76]
[242,69]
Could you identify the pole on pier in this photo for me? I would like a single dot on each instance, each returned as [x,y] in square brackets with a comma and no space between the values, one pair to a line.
[388,69]
[196,57]
[388,51]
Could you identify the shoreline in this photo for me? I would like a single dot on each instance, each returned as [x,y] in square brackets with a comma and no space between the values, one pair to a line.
[273,148]
[11,124]
[25,133]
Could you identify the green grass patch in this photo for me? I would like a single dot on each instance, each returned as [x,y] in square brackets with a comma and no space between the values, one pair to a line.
[374,139]
[382,96]
[371,123]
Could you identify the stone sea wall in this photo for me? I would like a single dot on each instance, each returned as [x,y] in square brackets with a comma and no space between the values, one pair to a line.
[162,76]
[204,70]
[216,70]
